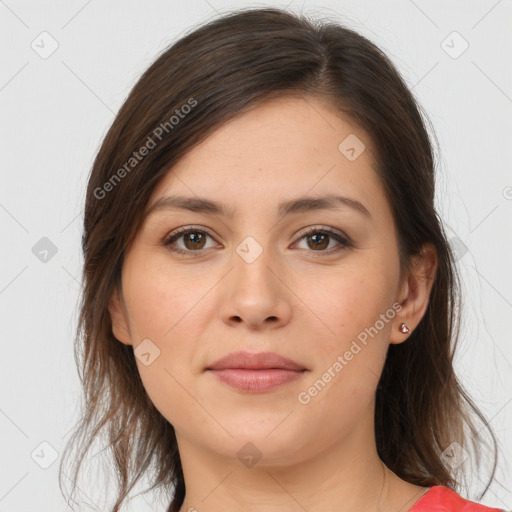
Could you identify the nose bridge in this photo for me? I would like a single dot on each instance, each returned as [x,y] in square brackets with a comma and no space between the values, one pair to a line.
[252,261]
[256,294]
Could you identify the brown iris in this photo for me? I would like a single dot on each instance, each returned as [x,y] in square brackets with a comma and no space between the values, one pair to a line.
[196,240]
[318,245]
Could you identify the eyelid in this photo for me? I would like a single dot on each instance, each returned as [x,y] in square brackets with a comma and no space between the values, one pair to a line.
[190,227]
[324,229]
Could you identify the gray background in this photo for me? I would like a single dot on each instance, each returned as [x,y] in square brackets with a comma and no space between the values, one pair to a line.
[56,108]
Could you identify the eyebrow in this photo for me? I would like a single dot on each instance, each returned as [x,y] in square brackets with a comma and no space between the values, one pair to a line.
[293,206]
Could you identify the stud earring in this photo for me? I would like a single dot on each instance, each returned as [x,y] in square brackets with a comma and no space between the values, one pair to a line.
[404,329]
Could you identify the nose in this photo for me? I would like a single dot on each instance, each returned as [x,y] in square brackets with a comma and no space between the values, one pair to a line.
[256,293]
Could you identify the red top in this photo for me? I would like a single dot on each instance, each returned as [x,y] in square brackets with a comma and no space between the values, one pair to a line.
[442,499]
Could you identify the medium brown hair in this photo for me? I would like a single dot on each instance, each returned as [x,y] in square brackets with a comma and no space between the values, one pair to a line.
[220,70]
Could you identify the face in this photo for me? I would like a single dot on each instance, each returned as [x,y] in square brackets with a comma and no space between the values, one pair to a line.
[315,283]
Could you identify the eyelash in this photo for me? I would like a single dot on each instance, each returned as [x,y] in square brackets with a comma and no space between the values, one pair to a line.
[343,240]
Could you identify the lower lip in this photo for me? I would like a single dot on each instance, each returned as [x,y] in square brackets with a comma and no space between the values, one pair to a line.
[256,380]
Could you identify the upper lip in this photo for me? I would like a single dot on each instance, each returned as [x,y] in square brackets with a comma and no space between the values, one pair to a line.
[255,361]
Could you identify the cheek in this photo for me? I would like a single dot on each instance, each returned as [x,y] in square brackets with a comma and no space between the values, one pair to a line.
[167,392]
[162,303]
[356,305]
[167,317]
[347,305]
[353,338]
[352,352]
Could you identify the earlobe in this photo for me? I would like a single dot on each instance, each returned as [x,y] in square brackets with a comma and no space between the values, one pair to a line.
[118,317]
[415,294]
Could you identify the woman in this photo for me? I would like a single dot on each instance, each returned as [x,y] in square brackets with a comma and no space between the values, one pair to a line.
[270,304]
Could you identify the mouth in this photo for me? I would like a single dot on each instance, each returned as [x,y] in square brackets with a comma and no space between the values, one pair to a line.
[258,372]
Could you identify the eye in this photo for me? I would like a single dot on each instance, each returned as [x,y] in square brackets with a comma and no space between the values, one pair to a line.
[193,239]
[318,239]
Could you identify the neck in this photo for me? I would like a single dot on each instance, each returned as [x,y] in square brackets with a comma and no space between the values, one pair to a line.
[346,477]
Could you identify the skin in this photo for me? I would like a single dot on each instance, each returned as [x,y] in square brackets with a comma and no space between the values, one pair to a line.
[293,299]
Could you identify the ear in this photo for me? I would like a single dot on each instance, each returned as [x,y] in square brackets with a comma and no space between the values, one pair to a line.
[414,292]
[119,317]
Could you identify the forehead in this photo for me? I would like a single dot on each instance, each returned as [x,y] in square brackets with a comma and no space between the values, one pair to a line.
[283,148]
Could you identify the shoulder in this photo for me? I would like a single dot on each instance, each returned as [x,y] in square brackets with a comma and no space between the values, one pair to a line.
[442,499]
